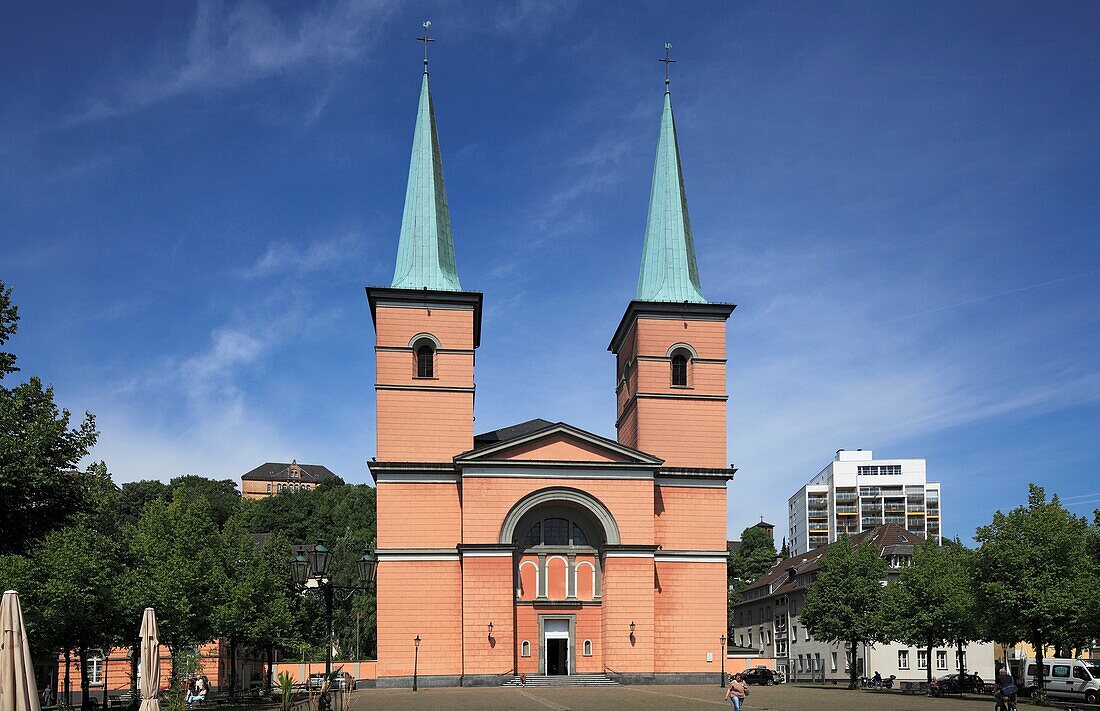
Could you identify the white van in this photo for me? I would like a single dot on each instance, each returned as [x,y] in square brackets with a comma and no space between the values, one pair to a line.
[1071,678]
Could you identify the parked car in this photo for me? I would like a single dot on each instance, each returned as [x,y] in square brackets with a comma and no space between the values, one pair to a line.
[760,675]
[1066,678]
[961,684]
[315,682]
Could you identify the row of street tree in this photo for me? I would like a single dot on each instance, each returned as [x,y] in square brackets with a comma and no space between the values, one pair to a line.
[88,556]
[1034,577]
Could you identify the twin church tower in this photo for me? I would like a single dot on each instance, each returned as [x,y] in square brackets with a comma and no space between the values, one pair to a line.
[541,548]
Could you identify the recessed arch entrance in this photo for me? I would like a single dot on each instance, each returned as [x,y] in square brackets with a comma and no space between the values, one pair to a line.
[558,535]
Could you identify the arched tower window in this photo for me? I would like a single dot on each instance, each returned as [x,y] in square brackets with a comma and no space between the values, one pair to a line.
[679,369]
[424,348]
[681,357]
[425,361]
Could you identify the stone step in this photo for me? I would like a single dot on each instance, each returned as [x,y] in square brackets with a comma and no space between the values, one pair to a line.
[563,680]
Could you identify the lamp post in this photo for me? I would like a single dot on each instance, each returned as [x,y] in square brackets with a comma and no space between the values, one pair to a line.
[722,651]
[416,657]
[314,568]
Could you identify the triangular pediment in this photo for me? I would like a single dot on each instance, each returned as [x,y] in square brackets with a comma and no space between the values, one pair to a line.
[559,442]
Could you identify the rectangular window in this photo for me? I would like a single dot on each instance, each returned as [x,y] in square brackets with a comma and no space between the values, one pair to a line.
[1061,671]
[750,638]
[769,636]
[941,659]
[833,661]
[95,670]
[903,659]
[922,659]
[794,633]
[960,659]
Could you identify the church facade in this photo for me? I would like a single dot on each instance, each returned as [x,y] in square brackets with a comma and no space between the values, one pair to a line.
[541,548]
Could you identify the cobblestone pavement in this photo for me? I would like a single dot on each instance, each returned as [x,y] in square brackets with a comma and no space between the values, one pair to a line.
[650,698]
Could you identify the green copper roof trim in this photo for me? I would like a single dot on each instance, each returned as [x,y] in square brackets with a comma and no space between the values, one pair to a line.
[426,250]
[669,271]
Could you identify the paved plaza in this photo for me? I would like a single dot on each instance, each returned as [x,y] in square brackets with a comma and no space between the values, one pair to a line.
[649,698]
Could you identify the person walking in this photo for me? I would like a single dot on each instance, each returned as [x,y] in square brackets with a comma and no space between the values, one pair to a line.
[737,692]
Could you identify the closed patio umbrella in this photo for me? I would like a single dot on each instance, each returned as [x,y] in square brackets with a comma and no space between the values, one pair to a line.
[17,688]
[150,662]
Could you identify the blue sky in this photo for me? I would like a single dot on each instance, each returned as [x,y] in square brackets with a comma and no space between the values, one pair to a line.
[902,199]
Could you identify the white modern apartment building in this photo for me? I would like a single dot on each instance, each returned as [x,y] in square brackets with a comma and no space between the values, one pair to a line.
[857,492]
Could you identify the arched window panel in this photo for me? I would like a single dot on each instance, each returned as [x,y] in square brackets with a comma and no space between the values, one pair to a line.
[534,536]
[679,369]
[425,360]
[555,578]
[587,648]
[555,532]
[528,580]
[579,539]
[585,580]
[525,649]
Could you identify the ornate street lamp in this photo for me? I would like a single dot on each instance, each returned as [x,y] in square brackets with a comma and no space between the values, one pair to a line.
[490,630]
[314,568]
[299,568]
[319,559]
[368,567]
[632,629]
[722,649]
[416,657]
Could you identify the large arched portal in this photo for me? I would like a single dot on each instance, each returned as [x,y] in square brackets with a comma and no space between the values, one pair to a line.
[558,535]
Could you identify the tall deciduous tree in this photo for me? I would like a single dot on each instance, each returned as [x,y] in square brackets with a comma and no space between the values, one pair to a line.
[751,559]
[844,602]
[1036,576]
[77,596]
[922,607]
[254,607]
[177,569]
[39,491]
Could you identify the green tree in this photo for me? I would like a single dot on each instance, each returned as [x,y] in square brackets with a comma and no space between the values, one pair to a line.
[342,515]
[1036,577]
[136,495]
[177,568]
[254,607]
[39,491]
[221,496]
[844,603]
[923,606]
[753,558]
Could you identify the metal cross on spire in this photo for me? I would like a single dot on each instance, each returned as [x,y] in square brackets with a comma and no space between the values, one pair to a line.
[426,38]
[667,60]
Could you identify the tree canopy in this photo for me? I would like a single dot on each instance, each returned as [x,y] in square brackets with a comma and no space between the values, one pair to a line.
[1036,575]
[753,558]
[844,604]
[929,602]
[40,490]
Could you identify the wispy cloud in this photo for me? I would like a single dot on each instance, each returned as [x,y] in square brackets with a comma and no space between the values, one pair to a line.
[228,48]
[285,258]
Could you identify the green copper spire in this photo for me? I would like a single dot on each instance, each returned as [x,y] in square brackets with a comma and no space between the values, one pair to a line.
[669,271]
[426,250]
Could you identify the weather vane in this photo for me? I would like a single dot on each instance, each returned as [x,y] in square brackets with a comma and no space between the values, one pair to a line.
[667,60]
[426,38]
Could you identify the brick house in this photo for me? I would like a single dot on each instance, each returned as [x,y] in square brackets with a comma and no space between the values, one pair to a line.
[270,478]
